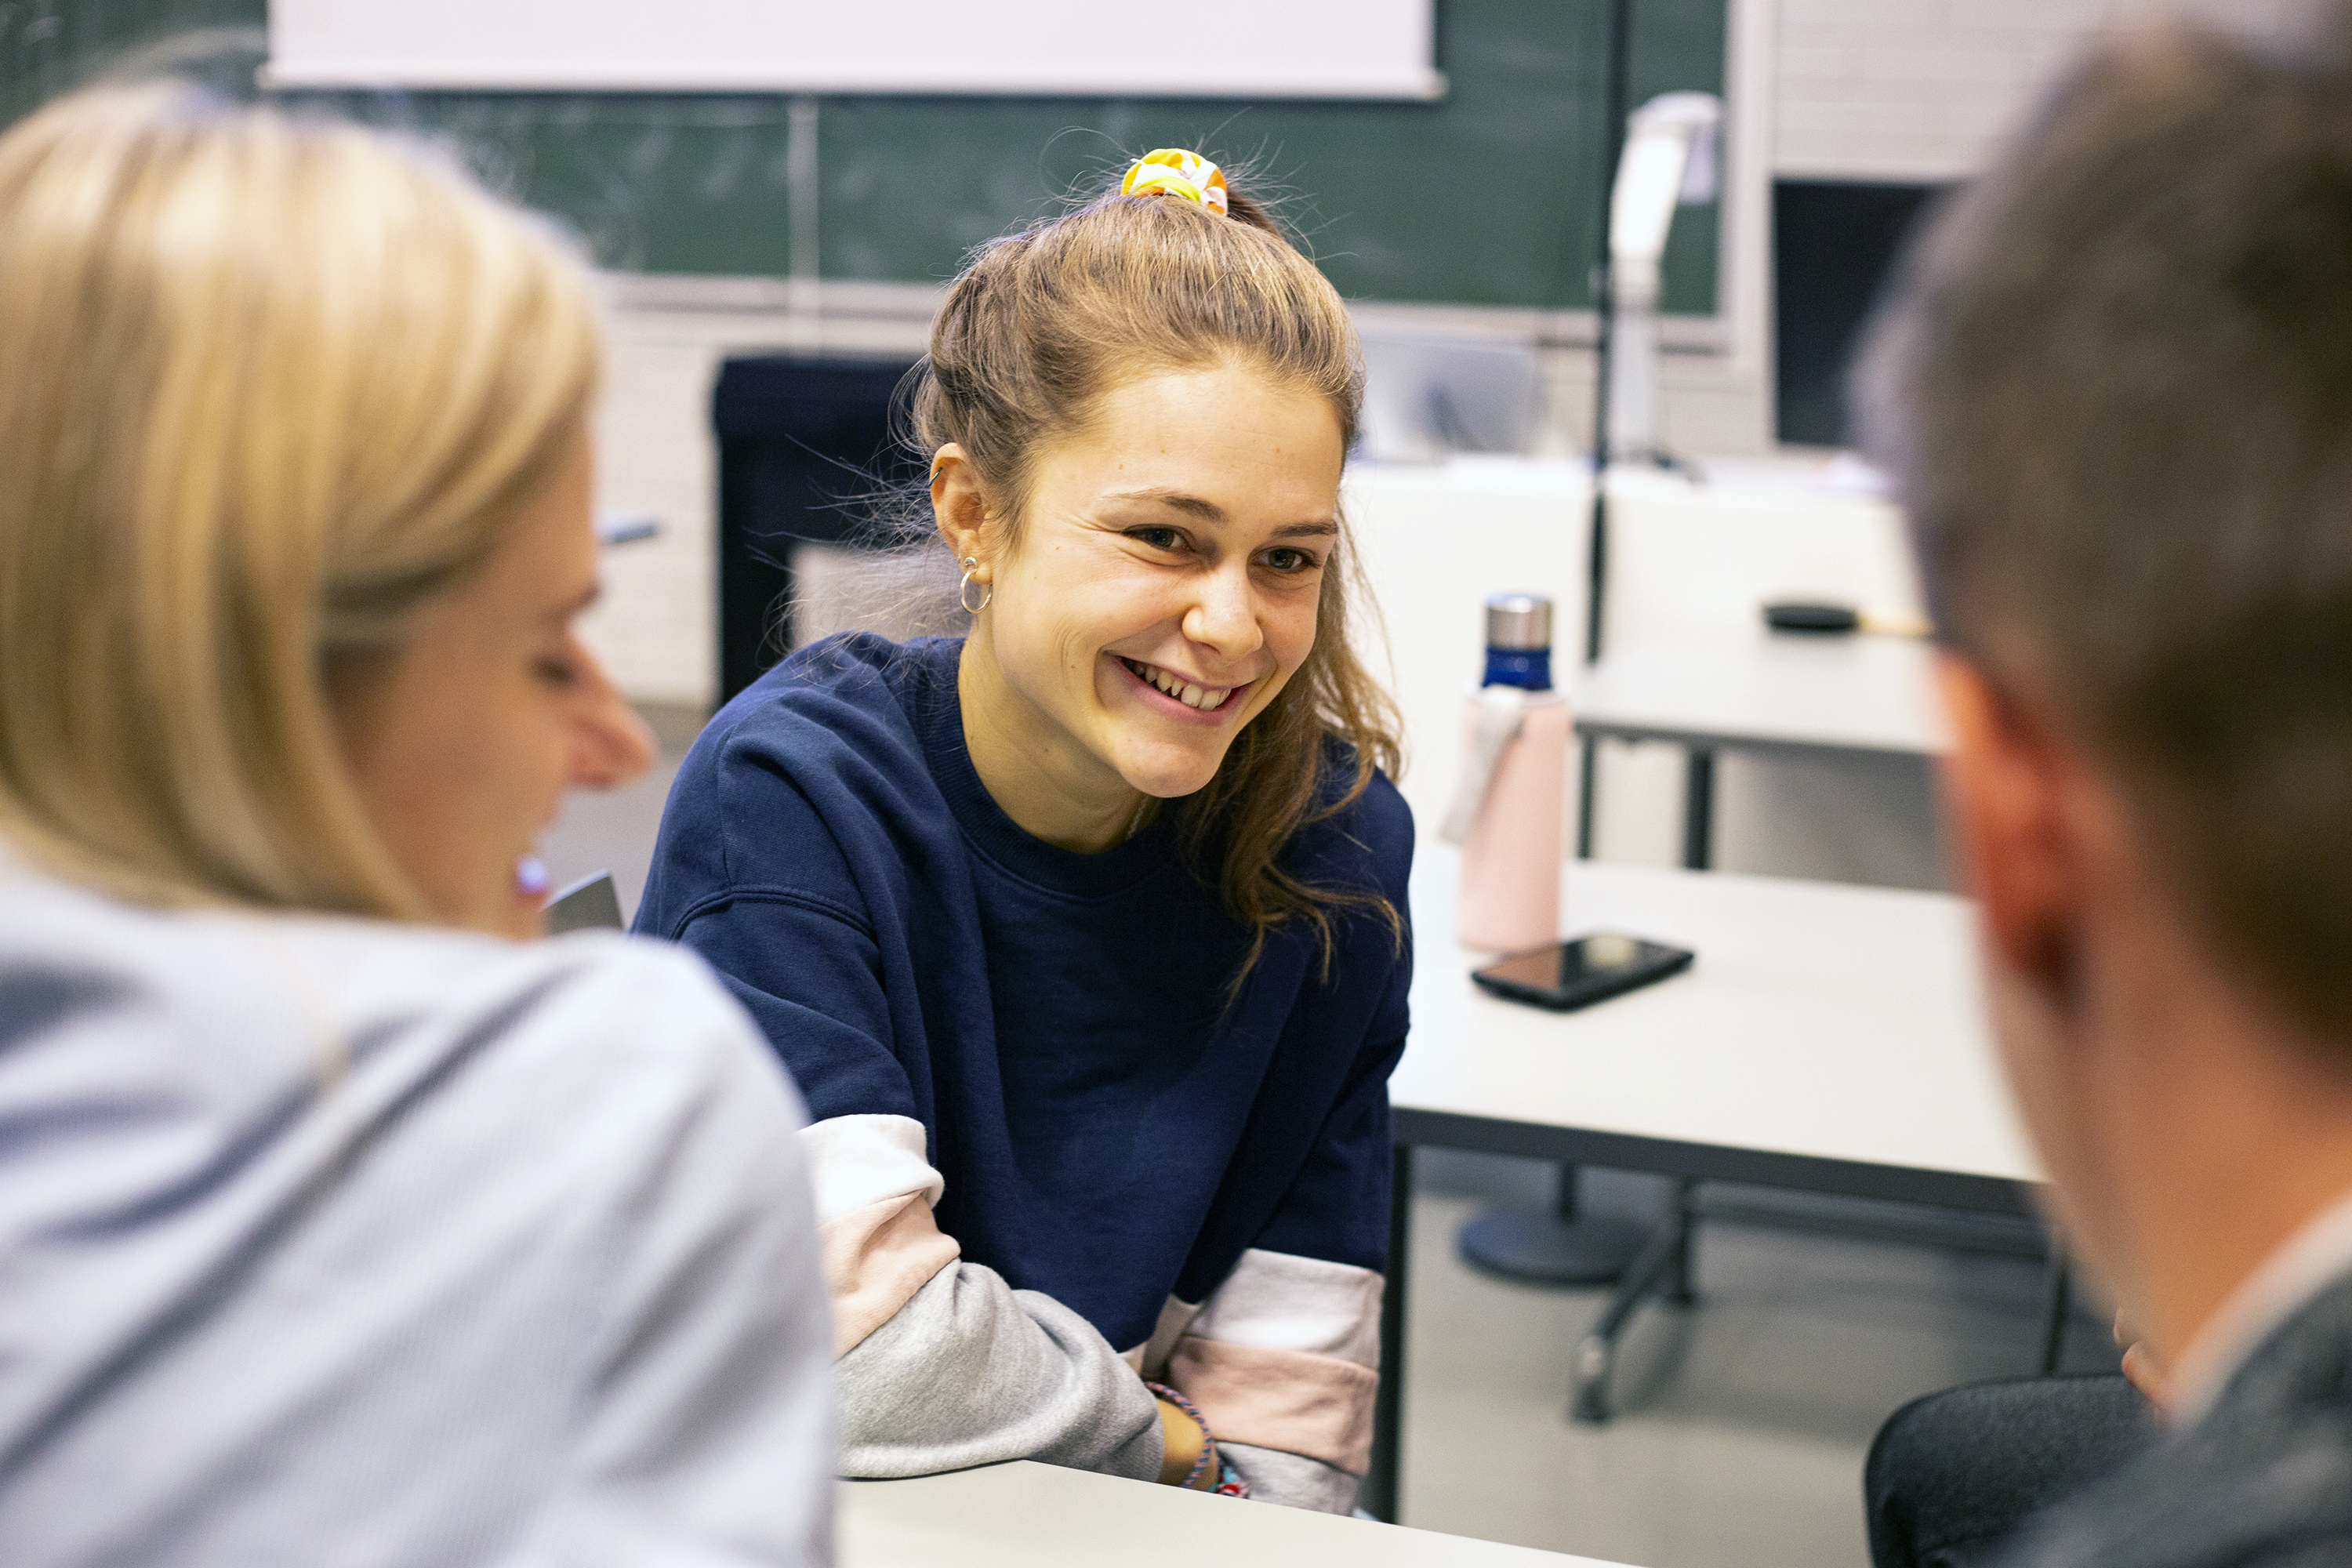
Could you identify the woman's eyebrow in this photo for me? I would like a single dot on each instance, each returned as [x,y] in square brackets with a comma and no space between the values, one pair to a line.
[1207,510]
[1210,511]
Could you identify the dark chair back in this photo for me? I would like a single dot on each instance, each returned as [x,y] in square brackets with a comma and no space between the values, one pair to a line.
[804,444]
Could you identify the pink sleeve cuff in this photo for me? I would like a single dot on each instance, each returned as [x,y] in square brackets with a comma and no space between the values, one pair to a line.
[1301,1403]
[876,1258]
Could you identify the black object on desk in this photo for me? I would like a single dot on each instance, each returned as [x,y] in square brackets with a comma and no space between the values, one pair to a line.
[1567,976]
[1819,620]
[804,444]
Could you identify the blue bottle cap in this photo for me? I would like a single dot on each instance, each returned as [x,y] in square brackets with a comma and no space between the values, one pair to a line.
[1518,641]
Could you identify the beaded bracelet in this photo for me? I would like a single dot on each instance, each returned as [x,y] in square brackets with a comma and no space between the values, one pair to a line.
[1207,1443]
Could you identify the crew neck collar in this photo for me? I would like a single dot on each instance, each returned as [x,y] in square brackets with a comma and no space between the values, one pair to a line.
[938,722]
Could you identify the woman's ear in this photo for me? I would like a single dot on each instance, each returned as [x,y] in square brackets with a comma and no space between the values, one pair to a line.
[959,505]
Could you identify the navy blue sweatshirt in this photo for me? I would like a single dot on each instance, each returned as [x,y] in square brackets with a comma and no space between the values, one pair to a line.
[1110,1131]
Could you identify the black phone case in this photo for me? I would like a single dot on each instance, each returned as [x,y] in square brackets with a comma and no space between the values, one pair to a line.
[1593,988]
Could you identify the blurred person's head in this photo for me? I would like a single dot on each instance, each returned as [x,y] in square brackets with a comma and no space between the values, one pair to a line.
[2115,391]
[294,516]
[1136,415]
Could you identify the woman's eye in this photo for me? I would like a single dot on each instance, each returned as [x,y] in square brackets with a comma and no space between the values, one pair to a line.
[1158,538]
[1285,559]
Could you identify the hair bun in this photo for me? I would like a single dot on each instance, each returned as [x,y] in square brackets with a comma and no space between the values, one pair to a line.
[1173,171]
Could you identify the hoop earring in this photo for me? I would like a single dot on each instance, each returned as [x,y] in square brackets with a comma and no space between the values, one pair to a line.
[963,589]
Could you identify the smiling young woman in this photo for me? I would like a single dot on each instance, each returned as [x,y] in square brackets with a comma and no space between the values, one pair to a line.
[1084,933]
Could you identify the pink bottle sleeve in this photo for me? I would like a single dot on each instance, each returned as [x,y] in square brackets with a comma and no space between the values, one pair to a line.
[1511,862]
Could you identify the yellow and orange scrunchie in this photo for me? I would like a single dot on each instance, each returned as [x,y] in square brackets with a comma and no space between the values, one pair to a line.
[1173,171]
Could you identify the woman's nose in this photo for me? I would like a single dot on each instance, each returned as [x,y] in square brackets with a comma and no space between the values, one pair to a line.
[610,745]
[1225,616]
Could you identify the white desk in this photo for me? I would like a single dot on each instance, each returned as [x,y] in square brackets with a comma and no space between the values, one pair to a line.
[1827,1039]
[1027,1515]
[1827,1036]
[1773,693]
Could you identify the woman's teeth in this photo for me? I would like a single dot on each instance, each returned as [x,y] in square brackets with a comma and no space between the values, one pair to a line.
[1208,699]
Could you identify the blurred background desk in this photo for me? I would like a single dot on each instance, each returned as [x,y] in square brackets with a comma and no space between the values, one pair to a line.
[1690,564]
[1827,1039]
[1027,1515]
[1771,694]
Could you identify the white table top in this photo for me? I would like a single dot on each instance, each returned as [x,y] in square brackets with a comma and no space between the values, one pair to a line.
[1821,1021]
[1783,691]
[1027,1515]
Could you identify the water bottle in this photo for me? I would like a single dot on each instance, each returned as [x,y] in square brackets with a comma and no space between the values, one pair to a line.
[1513,791]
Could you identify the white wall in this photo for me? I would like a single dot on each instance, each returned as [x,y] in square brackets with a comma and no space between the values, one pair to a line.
[1842,89]
[1922,90]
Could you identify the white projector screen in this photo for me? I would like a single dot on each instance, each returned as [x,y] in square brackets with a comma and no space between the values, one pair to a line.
[1222,48]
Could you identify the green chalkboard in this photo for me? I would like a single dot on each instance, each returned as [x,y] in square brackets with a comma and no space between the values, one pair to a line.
[1488,196]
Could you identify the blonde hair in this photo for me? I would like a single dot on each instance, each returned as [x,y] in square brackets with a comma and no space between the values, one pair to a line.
[272,386]
[1033,333]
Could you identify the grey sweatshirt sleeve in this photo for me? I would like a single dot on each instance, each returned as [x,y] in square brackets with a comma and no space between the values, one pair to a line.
[972,1372]
[1293,1480]
[941,1364]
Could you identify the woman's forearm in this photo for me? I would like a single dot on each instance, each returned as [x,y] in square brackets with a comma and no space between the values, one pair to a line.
[939,1363]
[970,1372]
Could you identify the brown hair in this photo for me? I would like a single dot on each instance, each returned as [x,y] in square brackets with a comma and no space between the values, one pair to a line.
[1045,321]
[272,387]
[2117,393]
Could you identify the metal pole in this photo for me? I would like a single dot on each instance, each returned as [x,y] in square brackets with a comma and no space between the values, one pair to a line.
[1613,140]
[1620,28]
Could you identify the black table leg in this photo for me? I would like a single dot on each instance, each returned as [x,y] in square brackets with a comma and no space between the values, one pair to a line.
[1663,1266]
[1698,811]
[1588,758]
[1381,1489]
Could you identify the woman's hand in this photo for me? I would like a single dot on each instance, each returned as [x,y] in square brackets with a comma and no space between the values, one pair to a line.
[1183,1439]
[2140,1365]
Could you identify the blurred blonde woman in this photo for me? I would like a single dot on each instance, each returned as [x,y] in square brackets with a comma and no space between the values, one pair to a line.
[335,1224]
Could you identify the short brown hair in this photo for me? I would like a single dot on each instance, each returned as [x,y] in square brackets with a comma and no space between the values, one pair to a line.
[1035,331]
[271,386]
[2114,386]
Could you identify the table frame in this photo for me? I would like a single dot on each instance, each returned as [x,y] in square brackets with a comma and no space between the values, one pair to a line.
[1698,775]
[1411,1129]
[1701,743]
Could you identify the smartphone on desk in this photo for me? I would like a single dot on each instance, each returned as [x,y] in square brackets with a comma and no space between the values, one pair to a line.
[1571,975]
